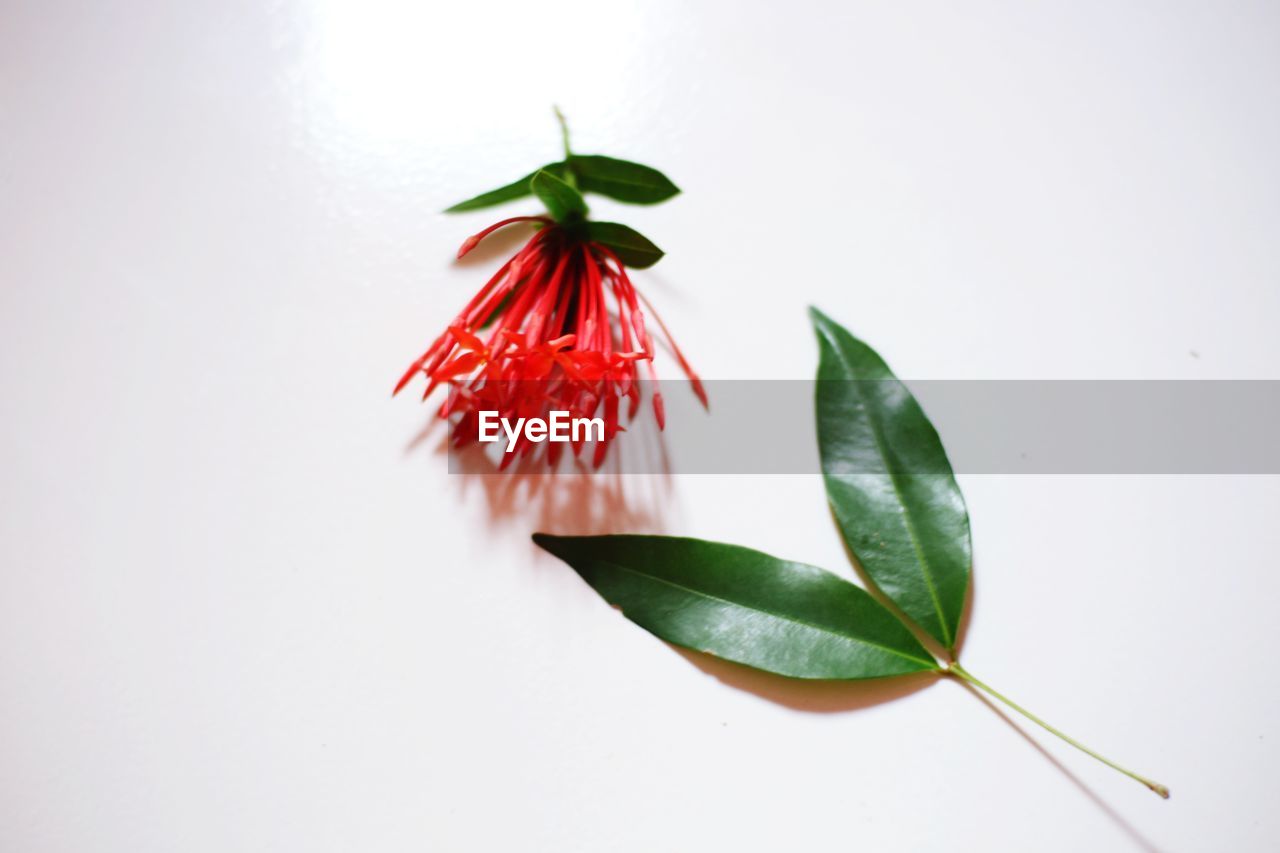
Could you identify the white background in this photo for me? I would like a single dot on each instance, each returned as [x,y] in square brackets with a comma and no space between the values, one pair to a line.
[237,612]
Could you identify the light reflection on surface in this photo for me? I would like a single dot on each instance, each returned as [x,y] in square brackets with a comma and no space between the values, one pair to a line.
[394,76]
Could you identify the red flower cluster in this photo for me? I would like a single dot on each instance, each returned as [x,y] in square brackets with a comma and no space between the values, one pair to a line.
[540,337]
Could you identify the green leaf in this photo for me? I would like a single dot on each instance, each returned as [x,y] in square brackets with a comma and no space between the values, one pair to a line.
[744,606]
[890,485]
[562,200]
[511,192]
[621,179]
[632,248]
[617,179]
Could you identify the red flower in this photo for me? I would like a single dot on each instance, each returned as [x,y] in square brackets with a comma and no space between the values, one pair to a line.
[559,328]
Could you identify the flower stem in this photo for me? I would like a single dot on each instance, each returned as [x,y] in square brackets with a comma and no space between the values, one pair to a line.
[564,132]
[959,671]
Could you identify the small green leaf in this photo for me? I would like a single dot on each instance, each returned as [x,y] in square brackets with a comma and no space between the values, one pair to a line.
[744,606]
[511,192]
[621,179]
[562,200]
[632,248]
[890,485]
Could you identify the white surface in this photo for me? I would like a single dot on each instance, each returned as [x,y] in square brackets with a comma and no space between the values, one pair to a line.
[236,613]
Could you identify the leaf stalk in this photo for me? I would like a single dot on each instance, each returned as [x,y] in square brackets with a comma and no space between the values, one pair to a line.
[955,669]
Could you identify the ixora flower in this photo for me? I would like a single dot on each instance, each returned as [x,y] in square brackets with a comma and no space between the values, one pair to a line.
[560,328]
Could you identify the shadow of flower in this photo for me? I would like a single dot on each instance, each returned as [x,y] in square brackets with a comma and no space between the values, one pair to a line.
[570,498]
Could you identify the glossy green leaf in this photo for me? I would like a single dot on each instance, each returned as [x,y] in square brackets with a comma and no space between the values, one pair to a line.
[511,192]
[744,606]
[621,179]
[608,176]
[632,248]
[890,485]
[562,201]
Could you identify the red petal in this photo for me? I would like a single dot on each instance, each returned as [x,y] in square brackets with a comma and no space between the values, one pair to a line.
[474,240]
[467,340]
[464,363]
[408,374]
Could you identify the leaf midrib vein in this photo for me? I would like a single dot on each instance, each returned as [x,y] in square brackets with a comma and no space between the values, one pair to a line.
[779,616]
[616,180]
[926,569]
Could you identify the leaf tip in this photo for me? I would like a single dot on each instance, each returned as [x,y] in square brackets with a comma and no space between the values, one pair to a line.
[822,324]
[817,317]
[650,261]
[544,540]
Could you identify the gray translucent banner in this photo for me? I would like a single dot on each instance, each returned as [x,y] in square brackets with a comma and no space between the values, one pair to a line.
[987,427]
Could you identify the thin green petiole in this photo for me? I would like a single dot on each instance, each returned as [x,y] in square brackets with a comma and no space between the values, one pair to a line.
[959,671]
